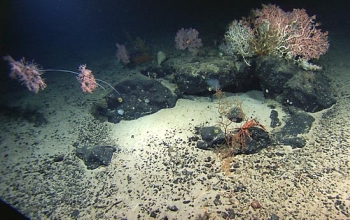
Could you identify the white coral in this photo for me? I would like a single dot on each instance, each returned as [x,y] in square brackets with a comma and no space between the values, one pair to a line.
[238,39]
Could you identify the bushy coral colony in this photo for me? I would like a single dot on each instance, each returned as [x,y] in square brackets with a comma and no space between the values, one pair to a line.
[27,73]
[188,39]
[86,79]
[271,31]
[238,40]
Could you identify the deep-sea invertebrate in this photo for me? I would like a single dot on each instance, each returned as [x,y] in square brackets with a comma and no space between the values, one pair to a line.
[240,137]
[238,40]
[292,33]
[188,39]
[122,54]
[29,74]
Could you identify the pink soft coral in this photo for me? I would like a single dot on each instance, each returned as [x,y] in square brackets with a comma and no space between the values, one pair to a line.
[86,79]
[188,39]
[297,33]
[27,73]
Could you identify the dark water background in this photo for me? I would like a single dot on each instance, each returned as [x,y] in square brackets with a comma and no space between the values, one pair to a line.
[67,33]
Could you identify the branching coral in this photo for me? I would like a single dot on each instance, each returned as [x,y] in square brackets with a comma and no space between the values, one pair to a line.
[271,31]
[292,33]
[238,39]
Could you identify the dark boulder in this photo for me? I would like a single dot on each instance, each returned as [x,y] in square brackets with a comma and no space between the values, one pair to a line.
[136,98]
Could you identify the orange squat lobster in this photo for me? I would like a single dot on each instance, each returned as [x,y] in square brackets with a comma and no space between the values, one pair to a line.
[239,138]
[251,123]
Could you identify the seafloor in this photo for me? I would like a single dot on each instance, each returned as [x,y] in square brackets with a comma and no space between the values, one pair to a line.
[157,172]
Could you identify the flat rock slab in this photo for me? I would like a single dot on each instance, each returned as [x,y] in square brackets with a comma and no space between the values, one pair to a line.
[95,156]
[298,123]
[137,98]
